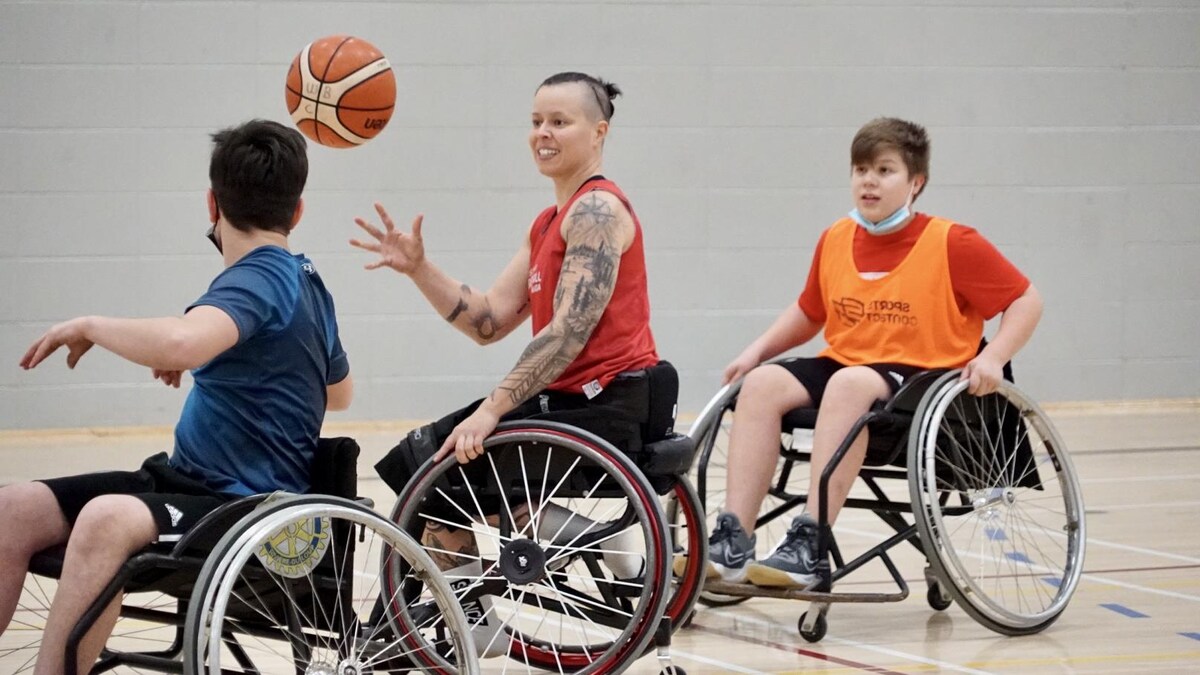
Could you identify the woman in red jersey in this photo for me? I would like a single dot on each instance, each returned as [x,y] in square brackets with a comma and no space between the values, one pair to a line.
[580,273]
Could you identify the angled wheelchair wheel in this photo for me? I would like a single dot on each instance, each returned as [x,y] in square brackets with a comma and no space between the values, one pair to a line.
[571,574]
[688,539]
[711,433]
[997,505]
[294,587]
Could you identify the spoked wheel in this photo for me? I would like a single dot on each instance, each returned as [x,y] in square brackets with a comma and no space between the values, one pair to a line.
[1000,509]
[571,573]
[294,588]
[711,431]
[688,538]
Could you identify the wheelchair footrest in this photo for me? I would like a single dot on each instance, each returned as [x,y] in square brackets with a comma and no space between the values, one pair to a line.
[752,591]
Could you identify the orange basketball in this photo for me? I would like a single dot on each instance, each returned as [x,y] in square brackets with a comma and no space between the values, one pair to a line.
[341,91]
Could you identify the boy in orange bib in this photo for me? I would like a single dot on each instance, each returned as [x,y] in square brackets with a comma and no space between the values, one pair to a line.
[897,292]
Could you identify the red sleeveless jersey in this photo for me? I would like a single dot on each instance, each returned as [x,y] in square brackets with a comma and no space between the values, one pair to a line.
[622,339]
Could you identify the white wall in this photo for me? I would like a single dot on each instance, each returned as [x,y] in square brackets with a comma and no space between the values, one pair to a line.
[1068,132]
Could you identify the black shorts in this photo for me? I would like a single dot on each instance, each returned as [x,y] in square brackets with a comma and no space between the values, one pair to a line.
[176,501]
[814,374]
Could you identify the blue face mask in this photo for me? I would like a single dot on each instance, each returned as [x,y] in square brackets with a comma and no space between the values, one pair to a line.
[887,225]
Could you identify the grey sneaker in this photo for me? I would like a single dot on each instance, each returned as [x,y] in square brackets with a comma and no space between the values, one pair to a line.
[794,562]
[730,550]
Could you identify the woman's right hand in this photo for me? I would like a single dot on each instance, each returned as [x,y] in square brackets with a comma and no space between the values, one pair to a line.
[403,252]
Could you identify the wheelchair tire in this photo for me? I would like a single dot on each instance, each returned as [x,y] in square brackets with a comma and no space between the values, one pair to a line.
[688,538]
[555,602]
[294,587]
[997,505]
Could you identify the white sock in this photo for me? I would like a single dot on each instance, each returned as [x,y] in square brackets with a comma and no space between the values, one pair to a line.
[483,620]
[562,525]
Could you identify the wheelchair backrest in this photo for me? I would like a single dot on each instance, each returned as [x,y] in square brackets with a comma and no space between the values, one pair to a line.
[335,468]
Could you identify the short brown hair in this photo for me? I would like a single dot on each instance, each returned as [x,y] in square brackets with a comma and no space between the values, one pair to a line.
[890,133]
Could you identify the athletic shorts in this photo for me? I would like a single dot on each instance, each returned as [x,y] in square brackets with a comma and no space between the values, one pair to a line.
[814,374]
[176,501]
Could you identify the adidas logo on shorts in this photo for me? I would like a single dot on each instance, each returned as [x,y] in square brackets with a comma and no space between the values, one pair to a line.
[176,515]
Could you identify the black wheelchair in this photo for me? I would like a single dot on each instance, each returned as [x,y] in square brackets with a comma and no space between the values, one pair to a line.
[266,584]
[573,572]
[983,487]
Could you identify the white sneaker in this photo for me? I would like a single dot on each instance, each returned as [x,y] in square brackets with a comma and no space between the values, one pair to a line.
[561,526]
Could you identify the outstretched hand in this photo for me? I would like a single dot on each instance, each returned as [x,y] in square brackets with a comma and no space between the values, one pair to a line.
[69,334]
[403,252]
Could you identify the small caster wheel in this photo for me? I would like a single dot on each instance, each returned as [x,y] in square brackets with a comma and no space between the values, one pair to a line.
[936,599]
[818,629]
[687,623]
[672,670]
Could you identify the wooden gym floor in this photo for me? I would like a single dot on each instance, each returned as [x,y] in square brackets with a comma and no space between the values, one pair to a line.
[1137,608]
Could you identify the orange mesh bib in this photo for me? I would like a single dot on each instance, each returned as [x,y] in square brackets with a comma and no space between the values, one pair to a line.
[908,316]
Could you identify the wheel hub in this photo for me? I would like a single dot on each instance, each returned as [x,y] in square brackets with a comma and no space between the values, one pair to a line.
[321,668]
[522,561]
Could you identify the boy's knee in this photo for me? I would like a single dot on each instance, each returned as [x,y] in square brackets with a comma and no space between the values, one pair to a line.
[774,385]
[32,517]
[114,522]
[857,382]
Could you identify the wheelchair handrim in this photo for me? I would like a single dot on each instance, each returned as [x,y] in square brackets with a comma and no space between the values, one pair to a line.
[949,564]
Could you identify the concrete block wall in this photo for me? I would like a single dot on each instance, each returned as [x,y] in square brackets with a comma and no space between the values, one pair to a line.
[1068,132]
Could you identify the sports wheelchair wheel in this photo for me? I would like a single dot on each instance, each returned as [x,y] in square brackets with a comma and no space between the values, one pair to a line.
[689,544]
[571,574]
[997,505]
[294,587]
[711,433]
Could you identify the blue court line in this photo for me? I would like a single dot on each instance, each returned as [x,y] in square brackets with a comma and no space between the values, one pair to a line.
[995,534]
[1019,557]
[1194,636]
[1053,581]
[1121,609]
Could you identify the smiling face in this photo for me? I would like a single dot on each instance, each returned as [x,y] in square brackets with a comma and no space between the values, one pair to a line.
[881,185]
[567,133]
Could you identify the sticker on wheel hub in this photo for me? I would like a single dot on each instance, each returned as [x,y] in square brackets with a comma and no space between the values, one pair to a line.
[297,549]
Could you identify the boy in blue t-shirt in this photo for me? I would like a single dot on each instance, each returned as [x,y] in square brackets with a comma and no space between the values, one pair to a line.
[262,344]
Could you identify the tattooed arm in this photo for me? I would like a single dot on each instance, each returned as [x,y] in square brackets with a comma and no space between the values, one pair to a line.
[483,317]
[597,231]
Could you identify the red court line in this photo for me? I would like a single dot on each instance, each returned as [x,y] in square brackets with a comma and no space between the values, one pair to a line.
[866,667]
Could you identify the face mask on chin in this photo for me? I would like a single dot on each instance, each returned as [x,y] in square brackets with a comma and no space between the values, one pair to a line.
[889,224]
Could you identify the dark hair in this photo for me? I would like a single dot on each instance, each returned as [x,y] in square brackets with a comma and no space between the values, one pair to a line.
[258,170]
[890,133]
[604,92]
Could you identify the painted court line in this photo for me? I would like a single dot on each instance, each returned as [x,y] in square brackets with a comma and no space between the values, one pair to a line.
[1083,577]
[734,635]
[1122,609]
[894,653]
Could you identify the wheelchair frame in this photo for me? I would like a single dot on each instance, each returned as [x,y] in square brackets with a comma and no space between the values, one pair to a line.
[904,423]
[232,535]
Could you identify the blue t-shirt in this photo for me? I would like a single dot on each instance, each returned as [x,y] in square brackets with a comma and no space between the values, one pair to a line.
[251,422]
